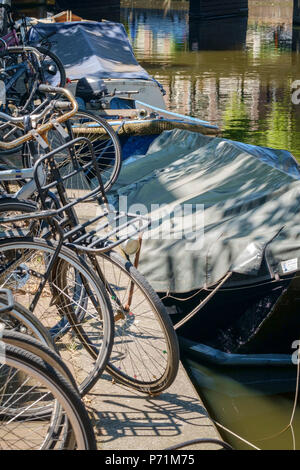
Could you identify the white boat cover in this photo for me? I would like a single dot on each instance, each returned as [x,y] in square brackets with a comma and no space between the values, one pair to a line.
[245,203]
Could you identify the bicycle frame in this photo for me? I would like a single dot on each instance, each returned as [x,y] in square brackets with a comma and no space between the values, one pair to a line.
[28,189]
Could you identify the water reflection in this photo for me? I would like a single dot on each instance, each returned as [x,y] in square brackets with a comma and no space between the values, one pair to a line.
[237,73]
[156,33]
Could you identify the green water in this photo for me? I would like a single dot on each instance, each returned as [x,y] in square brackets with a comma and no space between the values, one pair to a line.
[236,73]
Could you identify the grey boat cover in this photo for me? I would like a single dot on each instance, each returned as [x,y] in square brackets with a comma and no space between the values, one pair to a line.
[216,206]
[86,48]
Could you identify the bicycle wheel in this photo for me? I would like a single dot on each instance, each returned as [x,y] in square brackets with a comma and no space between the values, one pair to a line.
[4,22]
[11,207]
[8,130]
[71,296]
[50,357]
[27,383]
[24,330]
[49,69]
[106,147]
[24,72]
[44,348]
[23,75]
[145,354]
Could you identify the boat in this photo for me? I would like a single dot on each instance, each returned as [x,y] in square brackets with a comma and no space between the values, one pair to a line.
[97,53]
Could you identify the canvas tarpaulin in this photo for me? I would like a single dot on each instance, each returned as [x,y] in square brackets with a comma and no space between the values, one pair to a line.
[95,49]
[242,207]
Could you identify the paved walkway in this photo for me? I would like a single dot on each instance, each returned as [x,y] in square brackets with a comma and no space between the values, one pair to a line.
[127,420]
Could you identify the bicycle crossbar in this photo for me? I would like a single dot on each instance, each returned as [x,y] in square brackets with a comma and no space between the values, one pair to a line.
[15,174]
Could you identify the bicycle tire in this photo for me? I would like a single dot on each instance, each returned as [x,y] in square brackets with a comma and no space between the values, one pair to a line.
[43,348]
[88,349]
[62,392]
[10,206]
[47,69]
[106,146]
[21,320]
[146,325]
[5,24]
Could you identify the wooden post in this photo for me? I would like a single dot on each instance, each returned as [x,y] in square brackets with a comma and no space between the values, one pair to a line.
[296,13]
[210,9]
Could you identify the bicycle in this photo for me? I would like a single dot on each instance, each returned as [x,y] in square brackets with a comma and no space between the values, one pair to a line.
[92,308]
[22,70]
[145,354]
[104,140]
[49,65]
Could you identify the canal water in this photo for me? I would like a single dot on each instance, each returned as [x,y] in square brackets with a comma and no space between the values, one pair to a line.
[253,408]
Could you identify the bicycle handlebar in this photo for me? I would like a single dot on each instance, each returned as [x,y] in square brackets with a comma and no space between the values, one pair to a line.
[18,49]
[50,89]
